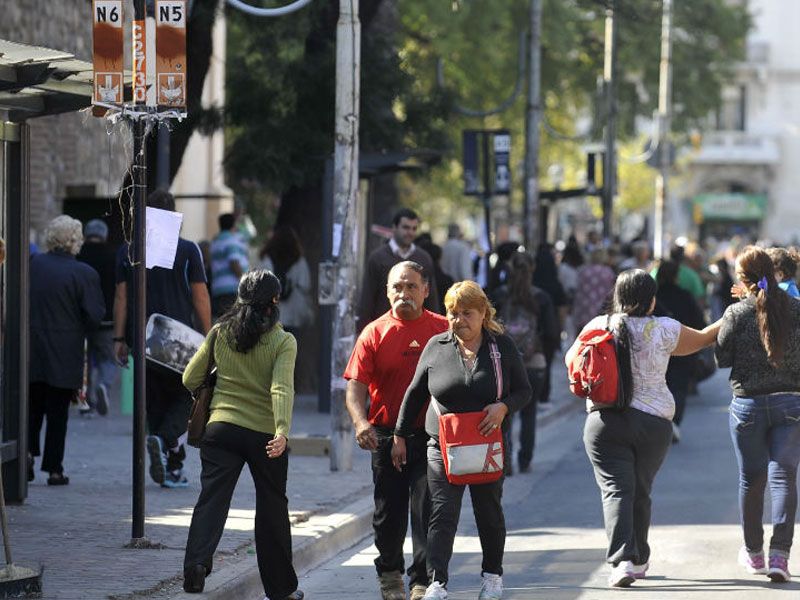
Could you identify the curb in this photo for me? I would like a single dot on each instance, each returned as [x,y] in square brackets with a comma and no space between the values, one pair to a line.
[314,541]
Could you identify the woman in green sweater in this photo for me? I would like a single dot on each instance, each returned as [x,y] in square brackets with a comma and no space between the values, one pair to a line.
[251,413]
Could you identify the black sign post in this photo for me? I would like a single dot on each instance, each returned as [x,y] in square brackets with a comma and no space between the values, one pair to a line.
[492,169]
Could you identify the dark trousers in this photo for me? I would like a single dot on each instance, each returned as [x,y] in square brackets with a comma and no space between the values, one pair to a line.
[168,406]
[53,403]
[678,380]
[527,425]
[445,511]
[394,492]
[549,354]
[224,451]
[626,449]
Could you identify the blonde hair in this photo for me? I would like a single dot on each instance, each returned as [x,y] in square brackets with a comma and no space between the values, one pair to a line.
[468,294]
[64,233]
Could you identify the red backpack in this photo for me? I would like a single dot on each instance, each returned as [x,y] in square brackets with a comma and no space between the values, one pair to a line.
[593,371]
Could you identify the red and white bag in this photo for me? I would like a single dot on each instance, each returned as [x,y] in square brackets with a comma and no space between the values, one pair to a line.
[468,456]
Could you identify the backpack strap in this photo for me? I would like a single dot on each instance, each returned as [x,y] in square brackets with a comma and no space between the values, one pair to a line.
[436,407]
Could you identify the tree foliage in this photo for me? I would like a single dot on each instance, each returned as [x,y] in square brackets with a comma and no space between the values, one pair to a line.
[281,82]
[478,41]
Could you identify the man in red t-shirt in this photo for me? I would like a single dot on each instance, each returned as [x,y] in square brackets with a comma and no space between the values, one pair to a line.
[381,367]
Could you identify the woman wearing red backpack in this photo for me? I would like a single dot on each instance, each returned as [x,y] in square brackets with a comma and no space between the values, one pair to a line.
[628,440]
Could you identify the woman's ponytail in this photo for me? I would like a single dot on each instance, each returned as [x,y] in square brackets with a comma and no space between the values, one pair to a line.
[772,303]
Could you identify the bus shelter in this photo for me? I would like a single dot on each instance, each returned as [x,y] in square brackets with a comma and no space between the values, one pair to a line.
[34,82]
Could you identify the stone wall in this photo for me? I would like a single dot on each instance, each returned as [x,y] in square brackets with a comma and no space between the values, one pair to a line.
[67,150]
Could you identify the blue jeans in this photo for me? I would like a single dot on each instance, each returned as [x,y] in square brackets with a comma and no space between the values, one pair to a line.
[766,438]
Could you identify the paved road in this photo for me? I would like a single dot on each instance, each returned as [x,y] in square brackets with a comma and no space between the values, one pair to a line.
[556,543]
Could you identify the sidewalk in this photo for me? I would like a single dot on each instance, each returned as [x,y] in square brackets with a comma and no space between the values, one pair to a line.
[78,532]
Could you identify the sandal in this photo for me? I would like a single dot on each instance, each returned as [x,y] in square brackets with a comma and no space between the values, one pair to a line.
[57,479]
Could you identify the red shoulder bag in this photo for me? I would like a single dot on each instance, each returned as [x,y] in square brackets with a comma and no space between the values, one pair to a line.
[468,456]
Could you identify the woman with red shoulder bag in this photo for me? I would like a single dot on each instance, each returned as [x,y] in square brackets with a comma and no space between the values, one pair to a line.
[475,378]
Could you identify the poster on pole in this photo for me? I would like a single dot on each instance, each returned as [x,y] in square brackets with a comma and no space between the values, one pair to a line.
[108,51]
[502,163]
[163,231]
[171,53]
[139,61]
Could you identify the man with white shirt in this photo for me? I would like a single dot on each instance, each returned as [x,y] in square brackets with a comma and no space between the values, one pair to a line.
[401,247]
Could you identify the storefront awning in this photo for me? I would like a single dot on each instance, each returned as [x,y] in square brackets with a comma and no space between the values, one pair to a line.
[729,207]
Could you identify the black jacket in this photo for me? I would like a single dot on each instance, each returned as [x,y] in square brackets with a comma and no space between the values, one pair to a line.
[66,302]
[441,373]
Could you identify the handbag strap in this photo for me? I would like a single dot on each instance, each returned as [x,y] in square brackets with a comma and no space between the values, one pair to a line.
[494,353]
[212,363]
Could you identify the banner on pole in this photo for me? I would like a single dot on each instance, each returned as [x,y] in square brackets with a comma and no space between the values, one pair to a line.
[171,53]
[502,162]
[108,51]
[139,62]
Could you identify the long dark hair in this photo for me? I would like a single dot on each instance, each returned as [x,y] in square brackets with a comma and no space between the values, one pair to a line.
[254,312]
[634,292]
[754,266]
[283,248]
[520,282]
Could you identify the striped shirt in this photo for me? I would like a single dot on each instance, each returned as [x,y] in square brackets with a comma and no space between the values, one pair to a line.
[254,389]
[226,247]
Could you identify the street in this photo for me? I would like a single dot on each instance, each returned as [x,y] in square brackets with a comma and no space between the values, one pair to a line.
[556,542]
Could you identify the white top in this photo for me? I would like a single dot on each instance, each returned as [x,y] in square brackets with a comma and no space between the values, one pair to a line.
[652,341]
[296,310]
[456,259]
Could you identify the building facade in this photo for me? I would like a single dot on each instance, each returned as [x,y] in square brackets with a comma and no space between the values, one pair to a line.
[744,179]
[79,162]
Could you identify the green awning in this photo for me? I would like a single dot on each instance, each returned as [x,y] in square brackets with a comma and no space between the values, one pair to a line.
[729,207]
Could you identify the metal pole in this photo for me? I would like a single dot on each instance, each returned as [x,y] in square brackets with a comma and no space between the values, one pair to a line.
[487,199]
[533,228]
[139,179]
[609,80]
[163,158]
[345,210]
[664,117]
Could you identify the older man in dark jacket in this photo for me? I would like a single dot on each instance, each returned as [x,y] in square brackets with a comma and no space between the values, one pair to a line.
[65,303]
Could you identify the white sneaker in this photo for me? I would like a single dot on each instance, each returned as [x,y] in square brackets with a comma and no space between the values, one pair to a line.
[640,571]
[623,575]
[435,591]
[492,588]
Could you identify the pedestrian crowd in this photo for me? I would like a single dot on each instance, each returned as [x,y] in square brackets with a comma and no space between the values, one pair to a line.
[440,366]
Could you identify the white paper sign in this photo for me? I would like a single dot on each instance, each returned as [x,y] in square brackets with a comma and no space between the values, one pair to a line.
[163,229]
[337,239]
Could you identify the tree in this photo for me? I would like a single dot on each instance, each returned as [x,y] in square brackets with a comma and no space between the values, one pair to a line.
[479,42]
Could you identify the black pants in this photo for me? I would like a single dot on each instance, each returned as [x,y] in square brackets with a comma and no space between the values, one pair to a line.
[224,451]
[53,403]
[678,380]
[168,406]
[394,492]
[527,429]
[626,449]
[445,511]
